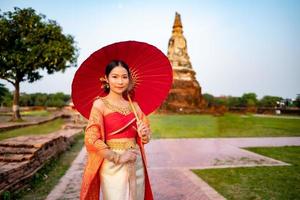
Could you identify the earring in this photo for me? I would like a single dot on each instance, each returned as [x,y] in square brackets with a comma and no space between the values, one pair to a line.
[105,84]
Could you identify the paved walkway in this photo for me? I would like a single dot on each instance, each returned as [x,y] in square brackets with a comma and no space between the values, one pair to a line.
[169,161]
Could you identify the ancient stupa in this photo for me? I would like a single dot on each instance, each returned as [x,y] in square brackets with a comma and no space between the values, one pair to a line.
[185,94]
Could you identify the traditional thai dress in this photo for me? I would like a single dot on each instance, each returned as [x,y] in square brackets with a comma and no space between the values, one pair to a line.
[113,179]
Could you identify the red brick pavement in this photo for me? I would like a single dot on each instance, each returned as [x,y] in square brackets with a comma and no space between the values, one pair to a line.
[170,161]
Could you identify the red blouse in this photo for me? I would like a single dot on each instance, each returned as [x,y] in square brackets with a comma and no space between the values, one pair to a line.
[112,123]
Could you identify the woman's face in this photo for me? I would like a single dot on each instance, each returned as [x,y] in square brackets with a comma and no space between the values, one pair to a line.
[118,80]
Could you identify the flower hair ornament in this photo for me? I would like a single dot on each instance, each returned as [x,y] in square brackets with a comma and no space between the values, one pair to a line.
[104,83]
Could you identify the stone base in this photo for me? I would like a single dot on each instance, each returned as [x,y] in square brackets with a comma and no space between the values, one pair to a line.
[21,157]
[184,97]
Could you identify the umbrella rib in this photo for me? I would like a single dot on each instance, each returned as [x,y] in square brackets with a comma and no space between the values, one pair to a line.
[153,69]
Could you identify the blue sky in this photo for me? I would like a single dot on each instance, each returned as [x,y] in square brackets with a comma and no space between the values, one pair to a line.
[235,46]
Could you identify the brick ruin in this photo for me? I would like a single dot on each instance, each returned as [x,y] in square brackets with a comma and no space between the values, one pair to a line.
[185,94]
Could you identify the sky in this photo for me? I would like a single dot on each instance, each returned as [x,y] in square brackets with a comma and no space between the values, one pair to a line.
[235,46]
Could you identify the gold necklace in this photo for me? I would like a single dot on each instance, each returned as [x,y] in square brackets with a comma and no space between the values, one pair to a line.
[123,110]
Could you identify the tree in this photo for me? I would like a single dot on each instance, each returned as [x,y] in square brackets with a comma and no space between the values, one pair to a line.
[209,99]
[29,44]
[269,101]
[249,99]
[25,100]
[220,101]
[234,101]
[58,99]
[39,99]
[297,101]
[4,92]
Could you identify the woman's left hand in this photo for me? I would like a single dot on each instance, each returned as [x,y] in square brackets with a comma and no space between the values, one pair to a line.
[143,131]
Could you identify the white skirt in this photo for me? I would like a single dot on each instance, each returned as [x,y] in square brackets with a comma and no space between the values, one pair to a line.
[115,179]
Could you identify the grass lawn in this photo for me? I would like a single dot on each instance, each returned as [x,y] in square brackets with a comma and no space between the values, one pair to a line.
[229,125]
[41,129]
[278,182]
[47,177]
[35,113]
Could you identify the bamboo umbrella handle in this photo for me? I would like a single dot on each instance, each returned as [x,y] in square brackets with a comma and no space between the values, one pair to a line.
[131,166]
[133,108]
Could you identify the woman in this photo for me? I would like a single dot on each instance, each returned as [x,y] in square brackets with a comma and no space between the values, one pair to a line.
[114,139]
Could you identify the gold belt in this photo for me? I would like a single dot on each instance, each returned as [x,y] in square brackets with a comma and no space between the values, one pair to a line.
[122,145]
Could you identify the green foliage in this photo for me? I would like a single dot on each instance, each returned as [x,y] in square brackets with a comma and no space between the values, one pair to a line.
[219,101]
[42,99]
[234,101]
[26,100]
[209,99]
[3,93]
[269,101]
[6,195]
[5,96]
[30,43]
[249,99]
[58,99]
[214,101]
[297,101]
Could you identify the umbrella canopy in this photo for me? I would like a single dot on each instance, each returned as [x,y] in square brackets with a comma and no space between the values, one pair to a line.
[150,69]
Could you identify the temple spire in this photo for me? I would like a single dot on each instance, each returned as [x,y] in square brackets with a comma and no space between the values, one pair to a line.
[177,21]
[177,26]
[177,48]
[185,94]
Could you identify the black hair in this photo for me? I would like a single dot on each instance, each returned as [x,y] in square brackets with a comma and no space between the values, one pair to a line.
[116,63]
[111,66]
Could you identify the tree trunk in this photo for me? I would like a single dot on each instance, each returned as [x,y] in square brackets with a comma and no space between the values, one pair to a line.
[16,110]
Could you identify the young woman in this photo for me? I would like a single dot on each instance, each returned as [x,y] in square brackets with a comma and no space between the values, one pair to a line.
[114,139]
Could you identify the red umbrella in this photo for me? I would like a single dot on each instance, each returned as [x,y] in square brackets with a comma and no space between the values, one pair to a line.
[150,69]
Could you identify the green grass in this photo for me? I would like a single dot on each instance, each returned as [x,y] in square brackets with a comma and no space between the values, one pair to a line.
[35,113]
[277,182]
[229,125]
[34,130]
[235,125]
[183,126]
[47,177]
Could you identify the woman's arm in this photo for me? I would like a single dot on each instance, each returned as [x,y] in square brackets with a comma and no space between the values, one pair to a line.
[143,124]
[94,131]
